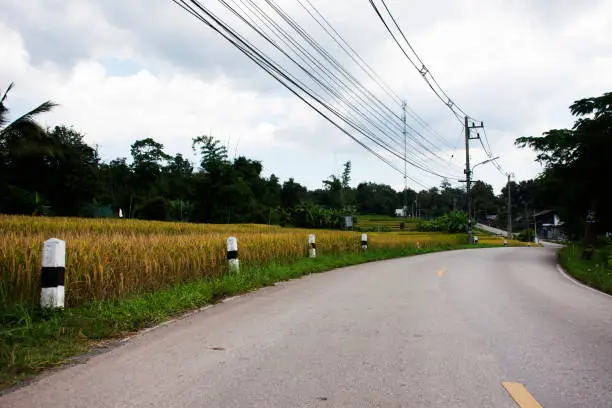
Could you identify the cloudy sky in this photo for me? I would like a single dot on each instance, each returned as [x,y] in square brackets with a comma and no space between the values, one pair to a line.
[126,70]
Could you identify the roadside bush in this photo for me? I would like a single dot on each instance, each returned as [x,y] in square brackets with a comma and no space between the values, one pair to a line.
[314,216]
[453,222]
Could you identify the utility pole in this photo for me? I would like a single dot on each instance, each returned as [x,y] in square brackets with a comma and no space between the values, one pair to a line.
[528,226]
[405,161]
[467,179]
[468,172]
[509,209]
[535,227]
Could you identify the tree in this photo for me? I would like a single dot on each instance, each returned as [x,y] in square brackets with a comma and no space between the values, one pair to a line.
[148,158]
[148,151]
[346,175]
[484,201]
[445,185]
[72,173]
[333,188]
[212,151]
[20,140]
[24,127]
[577,166]
[373,198]
[177,179]
[292,194]
[116,181]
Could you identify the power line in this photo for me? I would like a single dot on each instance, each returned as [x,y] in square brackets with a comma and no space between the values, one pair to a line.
[431,81]
[277,72]
[313,64]
[353,54]
[361,90]
[344,45]
[266,64]
[423,70]
[337,37]
[318,80]
[489,152]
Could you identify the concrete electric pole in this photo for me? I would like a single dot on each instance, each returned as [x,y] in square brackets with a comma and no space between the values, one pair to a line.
[468,173]
[405,160]
[509,208]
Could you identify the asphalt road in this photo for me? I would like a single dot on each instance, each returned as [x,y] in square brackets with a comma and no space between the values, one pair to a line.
[438,330]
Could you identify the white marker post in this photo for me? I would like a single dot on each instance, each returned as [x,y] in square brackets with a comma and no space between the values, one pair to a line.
[232,254]
[475,240]
[312,246]
[364,241]
[505,242]
[52,274]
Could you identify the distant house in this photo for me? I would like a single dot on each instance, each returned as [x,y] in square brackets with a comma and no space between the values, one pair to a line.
[548,224]
[400,212]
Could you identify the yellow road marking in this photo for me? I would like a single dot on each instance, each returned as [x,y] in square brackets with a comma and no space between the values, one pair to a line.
[520,394]
[441,272]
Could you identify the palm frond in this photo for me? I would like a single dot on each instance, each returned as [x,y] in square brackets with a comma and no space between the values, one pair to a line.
[11,85]
[3,108]
[42,108]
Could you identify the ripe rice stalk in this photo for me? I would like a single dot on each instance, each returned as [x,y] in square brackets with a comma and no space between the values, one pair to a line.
[110,258]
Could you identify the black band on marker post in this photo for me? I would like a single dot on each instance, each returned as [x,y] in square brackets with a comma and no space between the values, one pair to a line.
[52,277]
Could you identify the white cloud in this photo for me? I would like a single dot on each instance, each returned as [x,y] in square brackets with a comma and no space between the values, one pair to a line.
[516,65]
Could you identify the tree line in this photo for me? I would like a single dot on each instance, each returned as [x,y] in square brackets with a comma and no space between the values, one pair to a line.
[55,172]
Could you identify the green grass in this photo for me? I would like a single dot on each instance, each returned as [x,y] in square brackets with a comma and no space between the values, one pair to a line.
[596,272]
[32,340]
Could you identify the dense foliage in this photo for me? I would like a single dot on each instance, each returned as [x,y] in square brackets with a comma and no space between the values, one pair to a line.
[55,172]
[577,167]
[453,222]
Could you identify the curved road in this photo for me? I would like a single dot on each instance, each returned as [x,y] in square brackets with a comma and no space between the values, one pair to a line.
[438,330]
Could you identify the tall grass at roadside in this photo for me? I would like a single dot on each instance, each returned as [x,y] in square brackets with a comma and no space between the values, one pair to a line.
[596,272]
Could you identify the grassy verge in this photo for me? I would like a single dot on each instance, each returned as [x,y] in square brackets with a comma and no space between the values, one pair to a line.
[32,340]
[595,272]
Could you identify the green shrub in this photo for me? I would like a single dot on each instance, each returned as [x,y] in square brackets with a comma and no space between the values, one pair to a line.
[453,222]
[309,215]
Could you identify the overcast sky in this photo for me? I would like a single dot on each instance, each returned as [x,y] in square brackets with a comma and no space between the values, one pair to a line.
[126,70]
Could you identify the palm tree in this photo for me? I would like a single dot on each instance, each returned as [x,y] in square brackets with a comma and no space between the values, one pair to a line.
[23,131]
[21,138]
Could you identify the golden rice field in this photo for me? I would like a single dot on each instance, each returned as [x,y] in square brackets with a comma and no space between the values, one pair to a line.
[107,258]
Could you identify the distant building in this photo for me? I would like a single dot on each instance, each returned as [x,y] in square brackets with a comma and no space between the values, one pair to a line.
[548,224]
[400,212]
